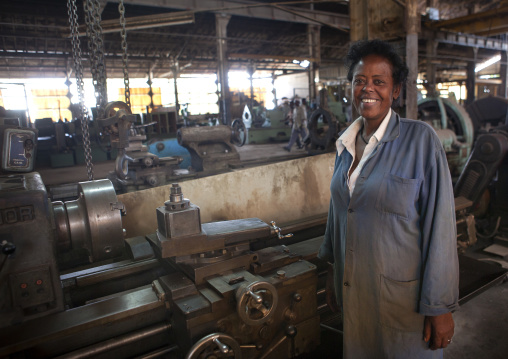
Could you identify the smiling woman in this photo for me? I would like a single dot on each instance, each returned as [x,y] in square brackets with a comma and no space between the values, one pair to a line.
[391,224]
[374,90]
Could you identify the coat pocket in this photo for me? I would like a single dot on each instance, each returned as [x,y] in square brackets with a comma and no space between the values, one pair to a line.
[397,195]
[399,303]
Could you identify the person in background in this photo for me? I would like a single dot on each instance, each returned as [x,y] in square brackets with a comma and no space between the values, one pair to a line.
[298,129]
[285,108]
[306,107]
[391,231]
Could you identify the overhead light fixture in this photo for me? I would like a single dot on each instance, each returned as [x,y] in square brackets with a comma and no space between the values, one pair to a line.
[495,76]
[487,63]
[305,63]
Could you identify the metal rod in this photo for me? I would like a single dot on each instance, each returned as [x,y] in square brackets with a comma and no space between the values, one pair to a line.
[117,342]
[332,329]
[157,353]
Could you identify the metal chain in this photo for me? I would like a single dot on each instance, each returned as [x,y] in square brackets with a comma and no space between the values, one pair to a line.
[78,68]
[96,48]
[123,33]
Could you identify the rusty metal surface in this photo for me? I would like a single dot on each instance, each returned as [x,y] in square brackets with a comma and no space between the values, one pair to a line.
[140,306]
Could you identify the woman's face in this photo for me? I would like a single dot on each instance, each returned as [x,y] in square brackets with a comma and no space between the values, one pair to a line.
[373,87]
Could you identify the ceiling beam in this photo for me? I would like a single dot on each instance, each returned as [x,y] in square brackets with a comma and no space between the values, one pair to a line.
[268,11]
[270,57]
[487,23]
[467,40]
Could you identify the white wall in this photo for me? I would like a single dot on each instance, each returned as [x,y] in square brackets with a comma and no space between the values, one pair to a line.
[291,85]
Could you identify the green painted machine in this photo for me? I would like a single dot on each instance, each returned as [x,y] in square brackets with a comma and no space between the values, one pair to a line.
[453,126]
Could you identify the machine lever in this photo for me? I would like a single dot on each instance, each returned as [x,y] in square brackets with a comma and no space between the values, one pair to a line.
[222,347]
[277,230]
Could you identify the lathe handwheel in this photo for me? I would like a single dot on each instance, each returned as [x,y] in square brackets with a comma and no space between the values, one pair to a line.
[256,302]
[216,345]
[238,133]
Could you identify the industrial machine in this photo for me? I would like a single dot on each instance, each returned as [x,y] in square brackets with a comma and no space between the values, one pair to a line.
[324,126]
[212,148]
[453,126]
[135,167]
[73,286]
[266,126]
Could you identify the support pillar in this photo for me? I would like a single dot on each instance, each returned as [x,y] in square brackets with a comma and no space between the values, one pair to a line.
[358,20]
[412,29]
[150,91]
[471,77]
[431,68]
[274,91]
[314,40]
[221,23]
[503,74]
[251,68]
[176,71]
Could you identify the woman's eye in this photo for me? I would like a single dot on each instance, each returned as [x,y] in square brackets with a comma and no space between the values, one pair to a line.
[379,82]
[358,82]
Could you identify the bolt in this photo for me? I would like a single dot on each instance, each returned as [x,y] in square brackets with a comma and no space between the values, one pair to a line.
[281,274]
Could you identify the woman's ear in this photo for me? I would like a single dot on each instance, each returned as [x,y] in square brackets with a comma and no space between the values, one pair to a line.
[396,91]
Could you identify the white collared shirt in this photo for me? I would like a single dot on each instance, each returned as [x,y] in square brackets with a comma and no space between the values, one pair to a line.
[348,141]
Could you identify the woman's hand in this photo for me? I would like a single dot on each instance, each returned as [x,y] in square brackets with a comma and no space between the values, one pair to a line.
[438,330]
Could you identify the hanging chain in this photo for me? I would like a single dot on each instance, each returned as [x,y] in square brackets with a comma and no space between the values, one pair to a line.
[96,49]
[78,68]
[123,33]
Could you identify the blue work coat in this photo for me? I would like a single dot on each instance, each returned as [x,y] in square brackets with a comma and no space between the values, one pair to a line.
[393,243]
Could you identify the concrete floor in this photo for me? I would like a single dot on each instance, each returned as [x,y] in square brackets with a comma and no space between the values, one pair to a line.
[481,327]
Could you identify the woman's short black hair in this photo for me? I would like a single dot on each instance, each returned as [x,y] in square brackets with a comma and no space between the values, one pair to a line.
[363,48]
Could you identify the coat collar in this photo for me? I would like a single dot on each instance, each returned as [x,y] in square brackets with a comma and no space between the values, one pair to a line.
[393,129]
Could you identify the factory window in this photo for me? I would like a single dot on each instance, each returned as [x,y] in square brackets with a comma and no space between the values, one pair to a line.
[51,103]
[140,98]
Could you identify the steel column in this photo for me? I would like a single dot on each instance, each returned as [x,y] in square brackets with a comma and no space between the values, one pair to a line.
[221,23]
[358,20]
[412,29]
[175,69]
[314,39]
[503,74]
[431,67]
[471,77]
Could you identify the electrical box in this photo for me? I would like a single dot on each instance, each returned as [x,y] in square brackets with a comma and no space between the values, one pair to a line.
[18,149]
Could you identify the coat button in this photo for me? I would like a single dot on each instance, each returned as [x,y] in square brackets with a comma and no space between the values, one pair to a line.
[351,210]
[346,284]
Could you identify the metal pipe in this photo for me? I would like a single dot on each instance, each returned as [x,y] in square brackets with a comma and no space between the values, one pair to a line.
[331,328]
[273,347]
[117,342]
[157,353]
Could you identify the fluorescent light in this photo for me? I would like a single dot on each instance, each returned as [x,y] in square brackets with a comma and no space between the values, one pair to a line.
[305,63]
[487,63]
[494,76]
